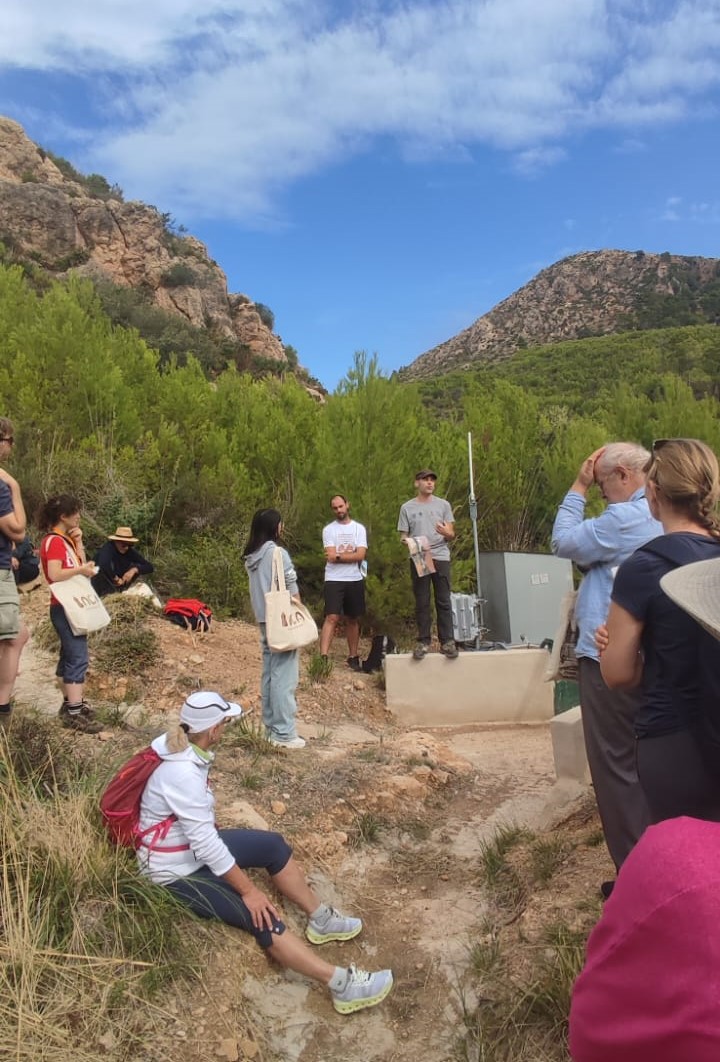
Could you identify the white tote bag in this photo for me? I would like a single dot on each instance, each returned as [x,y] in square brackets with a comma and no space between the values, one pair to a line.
[84,610]
[562,662]
[288,624]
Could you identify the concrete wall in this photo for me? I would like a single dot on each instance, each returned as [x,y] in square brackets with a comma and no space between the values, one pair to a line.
[569,746]
[493,686]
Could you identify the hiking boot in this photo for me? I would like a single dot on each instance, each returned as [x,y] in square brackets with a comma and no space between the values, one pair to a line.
[353,662]
[362,990]
[288,743]
[336,927]
[449,649]
[82,719]
[420,651]
[606,889]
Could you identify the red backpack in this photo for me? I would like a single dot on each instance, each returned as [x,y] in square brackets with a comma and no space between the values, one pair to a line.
[120,806]
[189,612]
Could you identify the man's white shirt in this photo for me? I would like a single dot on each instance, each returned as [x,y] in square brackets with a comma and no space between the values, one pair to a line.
[345,538]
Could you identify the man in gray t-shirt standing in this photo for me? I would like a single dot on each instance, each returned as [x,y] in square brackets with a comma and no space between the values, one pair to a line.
[428,518]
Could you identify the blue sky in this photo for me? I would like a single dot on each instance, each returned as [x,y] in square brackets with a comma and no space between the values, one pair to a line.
[382,173]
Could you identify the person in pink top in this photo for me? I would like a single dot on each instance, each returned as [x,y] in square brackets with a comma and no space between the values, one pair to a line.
[650,988]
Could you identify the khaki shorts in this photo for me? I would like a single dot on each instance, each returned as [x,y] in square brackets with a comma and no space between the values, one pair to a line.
[9,606]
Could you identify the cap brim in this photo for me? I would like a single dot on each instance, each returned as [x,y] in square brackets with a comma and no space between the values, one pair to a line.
[696,589]
[235,710]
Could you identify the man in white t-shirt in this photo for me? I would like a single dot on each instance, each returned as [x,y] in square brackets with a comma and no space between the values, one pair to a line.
[345,544]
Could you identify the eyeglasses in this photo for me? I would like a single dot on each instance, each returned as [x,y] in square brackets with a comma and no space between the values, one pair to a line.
[7,438]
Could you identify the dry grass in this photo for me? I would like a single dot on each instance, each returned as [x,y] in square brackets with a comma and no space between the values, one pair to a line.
[84,941]
[523,966]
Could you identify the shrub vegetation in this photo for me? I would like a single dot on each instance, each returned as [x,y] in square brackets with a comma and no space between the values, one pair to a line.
[172,434]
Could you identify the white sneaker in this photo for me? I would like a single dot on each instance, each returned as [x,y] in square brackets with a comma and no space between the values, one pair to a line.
[362,990]
[289,743]
[337,927]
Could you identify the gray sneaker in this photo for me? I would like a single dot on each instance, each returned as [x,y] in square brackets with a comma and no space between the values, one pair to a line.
[420,651]
[83,720]
[288,743]
[362,990]
[449,649]
[337,927]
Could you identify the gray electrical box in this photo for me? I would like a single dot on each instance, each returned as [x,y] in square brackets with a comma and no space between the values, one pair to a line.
[522,594]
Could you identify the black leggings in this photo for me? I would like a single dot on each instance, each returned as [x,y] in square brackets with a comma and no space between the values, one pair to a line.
[676,779]
[211,897]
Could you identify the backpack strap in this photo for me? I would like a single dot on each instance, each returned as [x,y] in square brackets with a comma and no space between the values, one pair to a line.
[158,832]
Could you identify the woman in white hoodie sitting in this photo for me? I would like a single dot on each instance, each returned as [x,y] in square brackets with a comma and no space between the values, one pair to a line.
[205,867]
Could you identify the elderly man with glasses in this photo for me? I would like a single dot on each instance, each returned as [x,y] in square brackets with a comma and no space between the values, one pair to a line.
[597,546]
[13,632]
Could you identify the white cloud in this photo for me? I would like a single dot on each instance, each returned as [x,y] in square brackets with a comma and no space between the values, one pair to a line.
[217,108]
[703,213]
[671,211]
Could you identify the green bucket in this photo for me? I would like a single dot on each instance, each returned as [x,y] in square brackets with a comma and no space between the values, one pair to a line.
[567,695]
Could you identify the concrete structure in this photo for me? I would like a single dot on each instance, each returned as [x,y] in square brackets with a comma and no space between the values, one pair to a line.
[569,746]
[493,686]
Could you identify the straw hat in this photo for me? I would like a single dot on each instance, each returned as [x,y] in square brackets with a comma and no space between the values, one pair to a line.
[696,589]
[123,534]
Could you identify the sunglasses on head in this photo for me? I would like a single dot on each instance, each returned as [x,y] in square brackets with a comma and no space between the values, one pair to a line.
[659,443]
[224,707]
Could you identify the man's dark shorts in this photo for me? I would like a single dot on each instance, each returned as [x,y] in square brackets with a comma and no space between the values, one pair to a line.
[345,599]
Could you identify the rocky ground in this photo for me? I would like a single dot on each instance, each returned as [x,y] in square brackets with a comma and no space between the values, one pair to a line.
[389,824]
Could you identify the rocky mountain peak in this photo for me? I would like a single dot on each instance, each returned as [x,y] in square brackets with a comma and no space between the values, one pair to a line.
[63,220]
[593,293]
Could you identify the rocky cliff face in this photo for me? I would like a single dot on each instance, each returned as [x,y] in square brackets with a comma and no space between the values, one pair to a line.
[590,294]
[50,214]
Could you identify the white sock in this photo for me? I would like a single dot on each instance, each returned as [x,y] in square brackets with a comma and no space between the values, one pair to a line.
[321,915]
[339,979]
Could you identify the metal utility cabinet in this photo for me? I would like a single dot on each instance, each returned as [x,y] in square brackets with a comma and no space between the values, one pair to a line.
[522,594]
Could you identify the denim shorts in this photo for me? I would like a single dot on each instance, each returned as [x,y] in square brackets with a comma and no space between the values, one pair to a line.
[73,663]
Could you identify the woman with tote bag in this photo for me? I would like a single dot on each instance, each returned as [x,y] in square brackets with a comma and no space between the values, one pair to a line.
[280,672]
[62,555]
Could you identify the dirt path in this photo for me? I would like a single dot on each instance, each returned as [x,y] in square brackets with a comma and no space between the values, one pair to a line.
[389,825]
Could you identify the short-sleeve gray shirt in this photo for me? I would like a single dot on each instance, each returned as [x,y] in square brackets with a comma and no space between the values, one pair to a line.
[419,518]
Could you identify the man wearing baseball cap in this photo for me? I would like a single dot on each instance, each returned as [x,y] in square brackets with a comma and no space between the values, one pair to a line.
[426,525]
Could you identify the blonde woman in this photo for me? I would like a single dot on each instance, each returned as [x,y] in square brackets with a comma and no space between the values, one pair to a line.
[206,867]
[651,643]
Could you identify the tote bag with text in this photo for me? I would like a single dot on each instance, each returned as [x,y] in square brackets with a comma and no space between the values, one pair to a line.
[288,624]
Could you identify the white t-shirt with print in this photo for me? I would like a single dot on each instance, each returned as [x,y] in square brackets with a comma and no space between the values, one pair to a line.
[344,537]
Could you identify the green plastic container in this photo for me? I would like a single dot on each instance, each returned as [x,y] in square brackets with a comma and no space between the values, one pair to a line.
[567,695]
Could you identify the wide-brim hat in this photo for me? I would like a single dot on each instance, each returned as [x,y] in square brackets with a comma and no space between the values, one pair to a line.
[696,589]
[123,534]
[205,708]
[424,473]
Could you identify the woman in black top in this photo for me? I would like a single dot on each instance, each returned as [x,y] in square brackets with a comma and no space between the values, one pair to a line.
[652,643]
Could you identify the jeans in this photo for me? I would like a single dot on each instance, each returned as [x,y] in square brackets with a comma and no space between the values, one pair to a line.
[280,675]
[73,662]
[440,580]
